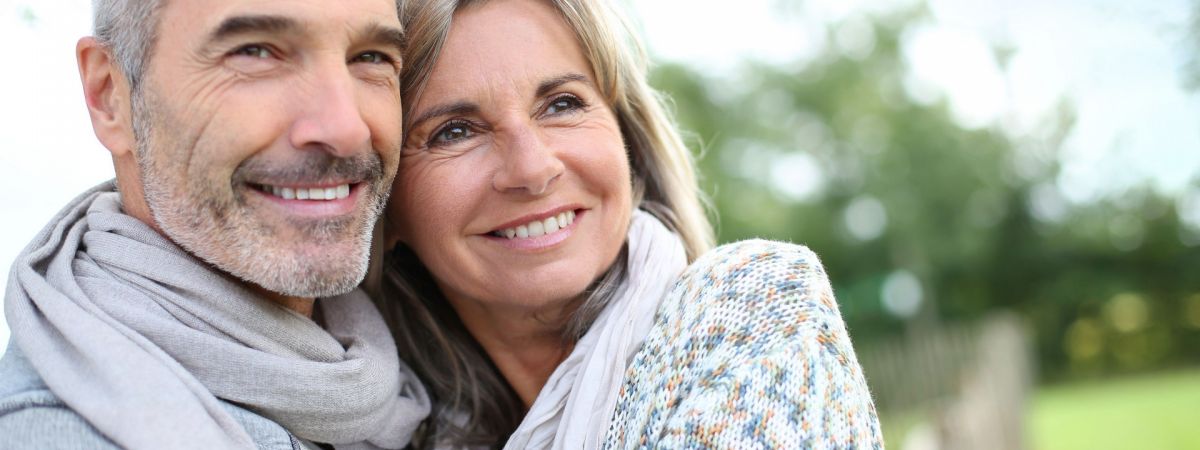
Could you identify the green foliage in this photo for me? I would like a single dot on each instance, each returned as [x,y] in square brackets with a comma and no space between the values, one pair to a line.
[1191,69]
[28,16]
[958,205]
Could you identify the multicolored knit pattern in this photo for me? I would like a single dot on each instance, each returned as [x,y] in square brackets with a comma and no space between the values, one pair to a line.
[748,351]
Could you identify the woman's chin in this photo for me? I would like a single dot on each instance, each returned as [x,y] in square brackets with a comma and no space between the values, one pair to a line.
[545,297]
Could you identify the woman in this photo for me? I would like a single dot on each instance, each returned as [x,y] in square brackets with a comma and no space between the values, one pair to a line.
[543,220]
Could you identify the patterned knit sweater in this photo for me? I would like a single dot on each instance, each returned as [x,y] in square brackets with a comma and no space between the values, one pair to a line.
[748,351]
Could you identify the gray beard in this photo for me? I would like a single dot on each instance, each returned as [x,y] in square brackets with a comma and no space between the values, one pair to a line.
[221,229]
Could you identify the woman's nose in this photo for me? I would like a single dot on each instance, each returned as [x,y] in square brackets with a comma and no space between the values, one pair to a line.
[529,165]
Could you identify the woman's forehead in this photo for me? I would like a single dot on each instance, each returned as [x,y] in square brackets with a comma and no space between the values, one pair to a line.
[502,42]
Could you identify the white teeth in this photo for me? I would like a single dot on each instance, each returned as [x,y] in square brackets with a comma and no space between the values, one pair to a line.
[332,193]
[538,227]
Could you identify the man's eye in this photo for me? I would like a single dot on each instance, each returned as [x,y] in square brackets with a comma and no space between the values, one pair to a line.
[372,58]
[254,51]
[563,104]
[451,133]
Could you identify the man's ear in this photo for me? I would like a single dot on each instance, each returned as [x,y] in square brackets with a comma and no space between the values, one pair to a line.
[107,93]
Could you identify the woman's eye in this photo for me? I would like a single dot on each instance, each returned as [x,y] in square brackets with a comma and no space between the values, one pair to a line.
[563,103]
[452,133]
[253,51]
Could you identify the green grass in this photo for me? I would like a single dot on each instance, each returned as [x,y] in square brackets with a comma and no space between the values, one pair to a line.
[896,425]
[1146,412]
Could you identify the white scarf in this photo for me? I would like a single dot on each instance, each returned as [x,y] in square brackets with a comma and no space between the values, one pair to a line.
[575,407]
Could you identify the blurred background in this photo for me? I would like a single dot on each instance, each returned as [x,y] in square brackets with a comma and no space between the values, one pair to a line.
[1005,194]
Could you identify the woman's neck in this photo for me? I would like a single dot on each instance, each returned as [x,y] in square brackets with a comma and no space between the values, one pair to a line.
[525,345]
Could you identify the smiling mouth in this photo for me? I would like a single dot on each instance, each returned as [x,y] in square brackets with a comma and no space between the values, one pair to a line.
[337,192]
[537,228]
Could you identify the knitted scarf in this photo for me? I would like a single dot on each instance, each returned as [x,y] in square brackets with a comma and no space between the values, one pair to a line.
[141,339]
[574,408]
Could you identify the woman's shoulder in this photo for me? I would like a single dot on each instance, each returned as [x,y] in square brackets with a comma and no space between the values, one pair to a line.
[757,250]
[757,261]
[748,350]
[751,298]
[757,246]
[772,285]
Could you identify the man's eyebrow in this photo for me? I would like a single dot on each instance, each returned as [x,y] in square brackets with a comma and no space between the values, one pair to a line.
[457,108]
[248,24]
[549,85]
[385,35]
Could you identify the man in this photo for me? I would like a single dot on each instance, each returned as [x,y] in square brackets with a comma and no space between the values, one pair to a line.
[254,142]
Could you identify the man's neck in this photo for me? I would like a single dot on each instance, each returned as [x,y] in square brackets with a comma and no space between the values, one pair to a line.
[301,305]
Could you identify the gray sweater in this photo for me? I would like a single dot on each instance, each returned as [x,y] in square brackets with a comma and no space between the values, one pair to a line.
[32,417]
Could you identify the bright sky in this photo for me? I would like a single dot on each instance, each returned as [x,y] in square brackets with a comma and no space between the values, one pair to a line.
[1117,60]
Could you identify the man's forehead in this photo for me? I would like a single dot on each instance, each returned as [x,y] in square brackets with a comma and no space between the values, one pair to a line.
[212,16]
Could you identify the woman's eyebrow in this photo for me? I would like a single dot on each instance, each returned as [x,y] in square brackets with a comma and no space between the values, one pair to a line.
[549,85]
[457,108]
[466,108]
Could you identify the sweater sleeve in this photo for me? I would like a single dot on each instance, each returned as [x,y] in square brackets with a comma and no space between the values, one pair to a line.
[748,350]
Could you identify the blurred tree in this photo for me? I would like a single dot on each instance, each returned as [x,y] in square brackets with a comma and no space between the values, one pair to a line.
[920,220]
[1191,75]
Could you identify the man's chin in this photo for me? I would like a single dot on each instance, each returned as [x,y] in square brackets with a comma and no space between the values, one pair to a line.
[309,282]
[324,289]
[282,255]
[293,267]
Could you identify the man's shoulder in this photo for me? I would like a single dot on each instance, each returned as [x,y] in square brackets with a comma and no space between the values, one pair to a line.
[33,417]
[17,376]
[37,424]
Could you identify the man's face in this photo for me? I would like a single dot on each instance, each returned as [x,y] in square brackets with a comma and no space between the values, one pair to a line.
[268,135]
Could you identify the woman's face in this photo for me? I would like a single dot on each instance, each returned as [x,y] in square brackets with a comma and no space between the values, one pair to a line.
[514,186]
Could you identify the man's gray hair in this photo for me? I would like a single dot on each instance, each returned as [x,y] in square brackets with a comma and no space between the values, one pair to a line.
[128,28]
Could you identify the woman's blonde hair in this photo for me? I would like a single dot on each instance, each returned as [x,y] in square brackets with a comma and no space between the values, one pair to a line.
[473,403]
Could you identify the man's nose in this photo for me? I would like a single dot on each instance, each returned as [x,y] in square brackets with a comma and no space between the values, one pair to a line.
[530,165]
[331,117]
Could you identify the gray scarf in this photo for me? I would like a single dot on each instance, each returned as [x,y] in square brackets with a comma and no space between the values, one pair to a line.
[141,339]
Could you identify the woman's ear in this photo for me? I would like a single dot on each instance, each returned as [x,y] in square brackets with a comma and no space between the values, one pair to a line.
[391,232]
[373,281]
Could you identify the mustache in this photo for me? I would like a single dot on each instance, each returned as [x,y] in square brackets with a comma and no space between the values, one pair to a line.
[311,168]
